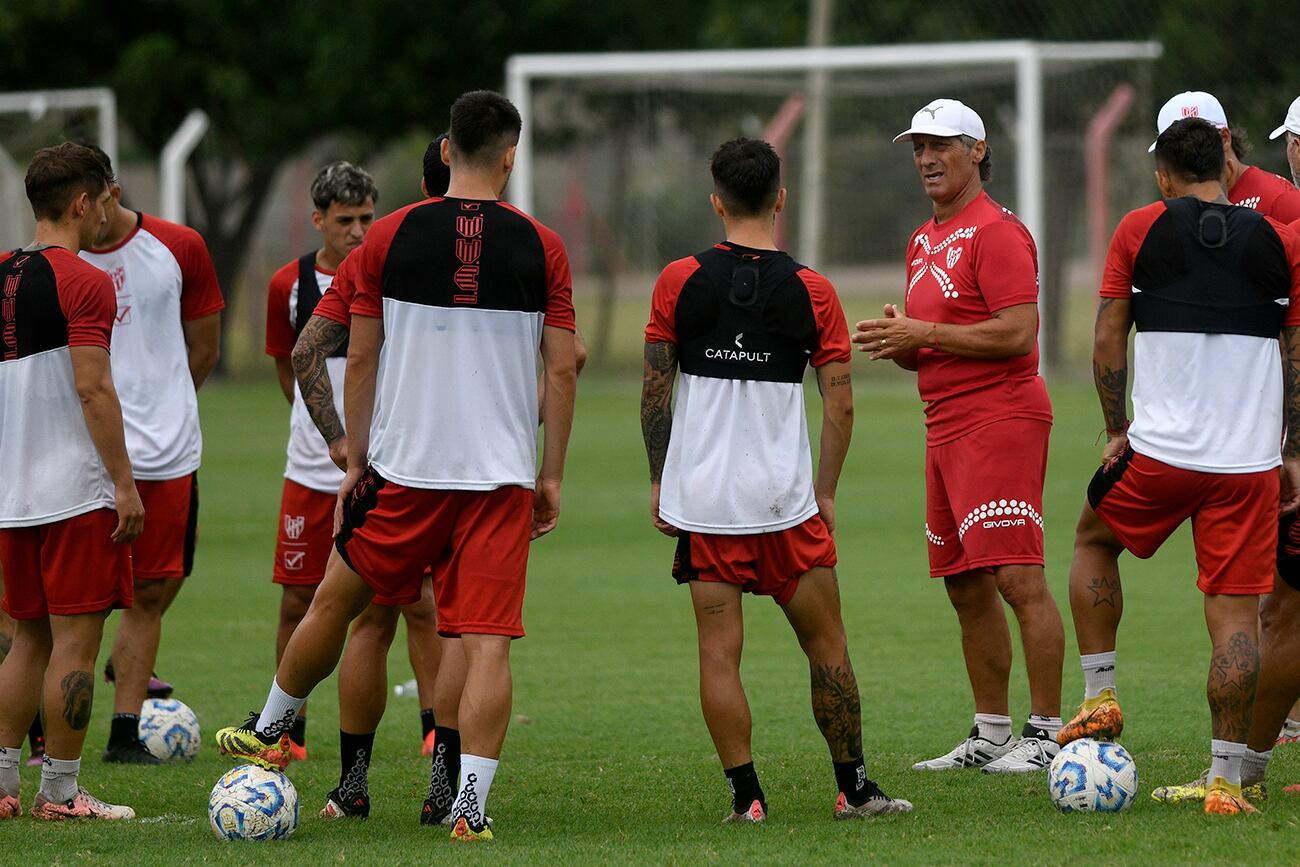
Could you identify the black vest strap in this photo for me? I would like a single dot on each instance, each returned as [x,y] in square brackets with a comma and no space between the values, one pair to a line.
[309,296]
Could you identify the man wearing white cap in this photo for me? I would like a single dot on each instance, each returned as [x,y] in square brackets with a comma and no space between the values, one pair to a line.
[1248,186]
[1291,127]
[970,330]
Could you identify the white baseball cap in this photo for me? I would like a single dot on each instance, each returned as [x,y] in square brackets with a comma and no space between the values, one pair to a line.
[1292,122]
[947,118]
[1189,103]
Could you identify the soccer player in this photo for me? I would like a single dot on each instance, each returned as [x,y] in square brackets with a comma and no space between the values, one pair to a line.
[461,293]
[731,470]
[166,340]
[69,505]
[344,197]
[1248,186]
[1209,288]
[969,330]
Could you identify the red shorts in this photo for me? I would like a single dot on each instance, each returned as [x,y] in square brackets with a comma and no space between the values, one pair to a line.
[171,521]
[765,564]
[306,538]
[984,497]
[477,541]
[306,535]
[68,567]
[1234,518]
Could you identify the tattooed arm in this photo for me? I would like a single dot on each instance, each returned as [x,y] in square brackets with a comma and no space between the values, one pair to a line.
[836,384]
[1110,370]
[657,418]
[1291,416]
[319,338]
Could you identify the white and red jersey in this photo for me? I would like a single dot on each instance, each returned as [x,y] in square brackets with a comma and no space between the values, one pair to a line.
[1207,373]
[962,271]
[162,275]
[1270,194]
[738,457]
[308,460]
[464,288]
[50,301]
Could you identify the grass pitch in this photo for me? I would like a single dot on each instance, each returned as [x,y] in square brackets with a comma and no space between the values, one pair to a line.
[609,760]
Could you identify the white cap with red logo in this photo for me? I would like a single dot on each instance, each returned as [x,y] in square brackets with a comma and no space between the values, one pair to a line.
[1189,103]
[1292,122]
[946,118]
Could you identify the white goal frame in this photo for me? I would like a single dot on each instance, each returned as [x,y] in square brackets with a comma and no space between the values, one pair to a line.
[1026,57]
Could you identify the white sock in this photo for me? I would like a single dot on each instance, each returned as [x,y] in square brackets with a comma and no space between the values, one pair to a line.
[1225,761]
[1049,724]
[279,711]
[1098,673]
[10,759]
[59,778]
[1254,765]
[476,775]
[994,728]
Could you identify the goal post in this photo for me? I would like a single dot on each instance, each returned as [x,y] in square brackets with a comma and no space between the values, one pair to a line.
[907,75]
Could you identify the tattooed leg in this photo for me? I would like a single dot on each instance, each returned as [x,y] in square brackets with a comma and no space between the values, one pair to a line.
[69,689]
[721,629]
[20,680]
[1234,664]
[1096,595]
[814,612]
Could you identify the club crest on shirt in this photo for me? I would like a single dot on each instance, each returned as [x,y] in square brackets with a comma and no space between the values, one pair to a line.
[293,525]
[118,275]
[954,253]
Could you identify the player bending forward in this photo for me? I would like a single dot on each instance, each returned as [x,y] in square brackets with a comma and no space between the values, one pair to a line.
[1209,287]
[458,292]
[731,469]
[166,339]
[344,197]
[68,505]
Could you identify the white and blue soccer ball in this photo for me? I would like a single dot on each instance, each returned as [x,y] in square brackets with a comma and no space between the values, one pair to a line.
[169,729]
[252,803]
[1092,776]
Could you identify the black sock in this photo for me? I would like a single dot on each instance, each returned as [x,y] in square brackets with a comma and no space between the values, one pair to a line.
[444,774]
[36,736]
[124,729]
[426,721]
[298,731]
[851,777]
[745,790]
[354,757]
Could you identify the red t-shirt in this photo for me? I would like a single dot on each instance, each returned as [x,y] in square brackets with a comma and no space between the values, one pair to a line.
[281,308]
[962,271]
[336,303]
[1271,195]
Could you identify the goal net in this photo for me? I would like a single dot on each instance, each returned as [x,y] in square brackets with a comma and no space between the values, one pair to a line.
[33,119]
[616,147]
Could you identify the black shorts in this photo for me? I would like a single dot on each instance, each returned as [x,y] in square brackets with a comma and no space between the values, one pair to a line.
[1288,549]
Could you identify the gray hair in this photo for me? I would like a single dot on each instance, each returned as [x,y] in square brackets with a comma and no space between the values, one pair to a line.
[986,164]
[344,183]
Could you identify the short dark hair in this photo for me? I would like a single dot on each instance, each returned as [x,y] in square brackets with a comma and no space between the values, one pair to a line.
[1191,148]
[437,174]
[746,176]
[59,174]
[103,159]
[483,123]
[986,164]
[344,183]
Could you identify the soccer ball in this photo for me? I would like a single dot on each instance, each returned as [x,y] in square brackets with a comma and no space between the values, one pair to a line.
[1092,776]
[169,729]
[250,803]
